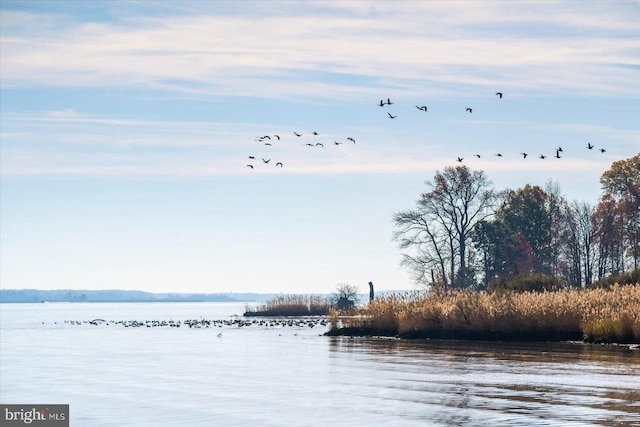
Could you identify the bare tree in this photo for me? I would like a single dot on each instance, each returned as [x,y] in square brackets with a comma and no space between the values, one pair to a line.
[346,291]
[430,254]
[438,230]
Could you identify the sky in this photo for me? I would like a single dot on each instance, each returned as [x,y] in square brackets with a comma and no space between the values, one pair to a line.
[126,129]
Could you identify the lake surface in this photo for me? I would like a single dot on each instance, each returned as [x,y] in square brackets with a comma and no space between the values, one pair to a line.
[262,375]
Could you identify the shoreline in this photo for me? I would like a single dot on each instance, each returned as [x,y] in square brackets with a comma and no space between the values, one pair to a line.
[577,338]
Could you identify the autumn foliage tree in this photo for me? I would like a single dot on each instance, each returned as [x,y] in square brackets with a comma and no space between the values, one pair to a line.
[463,233]
[616,221]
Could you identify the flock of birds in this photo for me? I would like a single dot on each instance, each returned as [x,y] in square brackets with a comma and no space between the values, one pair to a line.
[469,110]
[541,156]
[268,140]
[206,323]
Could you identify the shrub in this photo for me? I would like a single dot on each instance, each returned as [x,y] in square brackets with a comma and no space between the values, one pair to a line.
[534,282]
[629,278]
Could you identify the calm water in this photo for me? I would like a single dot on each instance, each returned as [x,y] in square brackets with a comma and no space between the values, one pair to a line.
[293,376]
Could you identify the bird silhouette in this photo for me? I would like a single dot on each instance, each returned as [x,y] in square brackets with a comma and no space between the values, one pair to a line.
[390,116]
[389,101]
[320,144]
[602,150]
[460,159]
[524,155]
[268,143]
[310,145]
[266,161]
[589,146]
[498,155]
[470,110]
[252,157]
[559,149]
[423,108]
[277,136]
[351,139]
[315,133]
[297,134]
[543,156]
[477,155]
[499,94]
[250,166]
[279,164]
[381,103]
[337,143]
[557,156]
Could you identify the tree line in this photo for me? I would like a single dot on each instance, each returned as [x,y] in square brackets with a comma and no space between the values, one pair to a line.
[465,234]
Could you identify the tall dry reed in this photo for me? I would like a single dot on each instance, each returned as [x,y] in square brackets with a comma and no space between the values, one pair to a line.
[291,305]
[601,315]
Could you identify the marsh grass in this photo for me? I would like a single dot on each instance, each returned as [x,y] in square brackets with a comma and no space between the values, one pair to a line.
[291,305]
[595,315]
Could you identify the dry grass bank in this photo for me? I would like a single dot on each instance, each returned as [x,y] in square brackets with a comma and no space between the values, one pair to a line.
[597,315]
[291,305]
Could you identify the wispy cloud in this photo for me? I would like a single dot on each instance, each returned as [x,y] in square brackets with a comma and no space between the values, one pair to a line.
[277,54]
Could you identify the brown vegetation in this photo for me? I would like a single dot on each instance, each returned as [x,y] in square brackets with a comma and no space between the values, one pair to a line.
[594,315]
[291,305]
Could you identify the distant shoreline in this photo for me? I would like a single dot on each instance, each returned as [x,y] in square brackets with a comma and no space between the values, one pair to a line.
[25,296]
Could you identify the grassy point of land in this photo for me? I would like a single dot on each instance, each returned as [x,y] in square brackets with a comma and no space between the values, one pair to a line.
[592,315]
[291,305]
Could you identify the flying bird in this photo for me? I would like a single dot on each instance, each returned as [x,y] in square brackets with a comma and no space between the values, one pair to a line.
[393,117]
[602,150]
[423,108]
[320,144]
[279,164]
[351,139]
[252,157]
[542,156]
[469,109]
[460,159]
[524,155]
[315,133]
[559,149]
[499,94]
[337,143]
[477,155]
[310,145]
[277,136]
[266,161]
[381,103]
[557,156]
[499,155]
[389,101]
[250,166]
[267,143]
[297,134]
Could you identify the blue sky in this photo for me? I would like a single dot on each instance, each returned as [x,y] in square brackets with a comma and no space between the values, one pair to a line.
[126,128]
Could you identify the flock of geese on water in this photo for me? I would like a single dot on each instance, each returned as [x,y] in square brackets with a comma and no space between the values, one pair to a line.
[268,140]
[206,323]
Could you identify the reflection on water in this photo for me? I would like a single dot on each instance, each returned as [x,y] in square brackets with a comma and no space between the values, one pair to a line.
[493,383]
[294,376]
